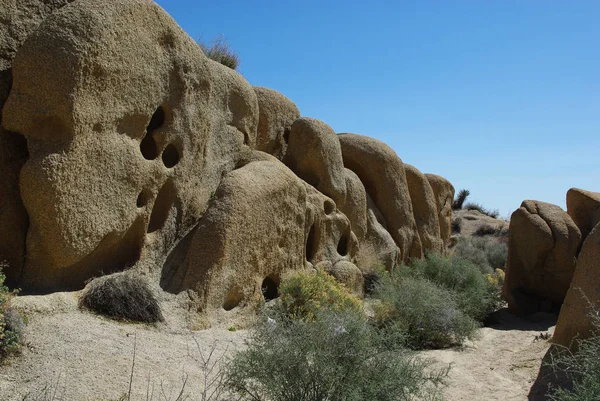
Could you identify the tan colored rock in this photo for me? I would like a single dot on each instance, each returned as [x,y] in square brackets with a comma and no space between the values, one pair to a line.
[314,154]
[276,115]
[584,209]
[424,205]
[382,173]
[444,195]
[130,129]
[348,274]
[287,225]
[583,297]
[542,247]
[19,18]
[354,205]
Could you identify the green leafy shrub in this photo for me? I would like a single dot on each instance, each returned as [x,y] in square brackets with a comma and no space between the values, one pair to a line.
[122,296]
[460,199]
[582,368]
[219,51]
[336,356]
[303,294]
[487,253]
[11,322]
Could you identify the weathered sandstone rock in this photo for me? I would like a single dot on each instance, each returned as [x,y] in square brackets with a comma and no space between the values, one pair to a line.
[444,195]
[130,129]
[382,173]
[583,297]
[424,205]
[584,209]
[276,115]
[543,242]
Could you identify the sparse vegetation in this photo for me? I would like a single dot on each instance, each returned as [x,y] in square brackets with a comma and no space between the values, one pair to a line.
[304,294]
[12,323]
[485,229]
[122,296]
[486,253]
[476,206]
[581,368]
[335,356]
[456,226]
[460,199]
[219,51]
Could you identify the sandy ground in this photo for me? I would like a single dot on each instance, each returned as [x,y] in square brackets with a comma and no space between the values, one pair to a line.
[74,355]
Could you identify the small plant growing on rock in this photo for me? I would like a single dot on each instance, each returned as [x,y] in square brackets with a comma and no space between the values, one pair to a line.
[476,206]
[122,296]
[219,51]
[12,323]
[460,199]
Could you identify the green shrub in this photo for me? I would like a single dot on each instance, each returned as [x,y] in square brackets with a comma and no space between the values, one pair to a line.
[122,296]
[336,356]
[11,322]
[219,51]
[582,368]
[476,206]
[303,294]
[487,253]
[460,199]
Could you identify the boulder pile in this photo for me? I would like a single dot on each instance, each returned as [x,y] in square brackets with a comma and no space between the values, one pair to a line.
[124,147]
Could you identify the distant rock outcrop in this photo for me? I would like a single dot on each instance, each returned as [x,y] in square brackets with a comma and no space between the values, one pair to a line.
[543,244]
[124,147]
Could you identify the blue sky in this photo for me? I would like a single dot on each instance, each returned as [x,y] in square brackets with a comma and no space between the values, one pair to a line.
[500,97]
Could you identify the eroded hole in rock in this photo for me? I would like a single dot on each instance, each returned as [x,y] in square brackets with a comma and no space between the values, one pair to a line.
[342,247]
[142,199]
[269,289]
[148,146]
[286,135]
[311,246]
[329,207]
[162,206]
[233,298]
[170,156]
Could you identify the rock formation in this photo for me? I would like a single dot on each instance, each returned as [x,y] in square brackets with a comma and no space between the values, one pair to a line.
[583,297]
[124,147]
[584,209]
[543,244]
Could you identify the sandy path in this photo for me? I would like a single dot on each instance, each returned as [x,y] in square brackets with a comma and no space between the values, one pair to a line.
[85,357]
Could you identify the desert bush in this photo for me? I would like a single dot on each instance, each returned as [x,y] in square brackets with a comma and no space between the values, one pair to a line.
[12,323]
[472,291]
[219,51]
[487,253]
[581,368]
[427,313]
[122,296]
[484,230]
[335,356]
[303,294]
[460,199]
[456,226]
[494,213]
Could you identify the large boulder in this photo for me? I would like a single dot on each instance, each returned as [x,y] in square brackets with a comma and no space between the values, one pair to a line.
[542,248]
[19,18]
[276,115]
[424,206]
[382,173]
[130,129]
[584,209]
[443,192]
[582,302]
[287,225]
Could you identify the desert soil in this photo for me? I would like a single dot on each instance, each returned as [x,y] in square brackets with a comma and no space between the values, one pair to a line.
[75,355]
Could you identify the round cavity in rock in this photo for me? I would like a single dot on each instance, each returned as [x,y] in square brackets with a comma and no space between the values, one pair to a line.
[233,298]
[170,156]
[142,199]
[269,289]
[162,207]
[157,120]
[148,146]
[310,244]
[329,207]
[342,247]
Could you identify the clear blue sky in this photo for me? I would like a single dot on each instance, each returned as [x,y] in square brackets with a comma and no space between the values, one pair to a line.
[500,97]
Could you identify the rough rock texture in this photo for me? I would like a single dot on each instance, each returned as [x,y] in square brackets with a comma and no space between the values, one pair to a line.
[276,115]
[444,195]
[382,173]
[424,207]
[583,297]
[584,209]
[543,242]
[130,129]
[19,18]
[287,225]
